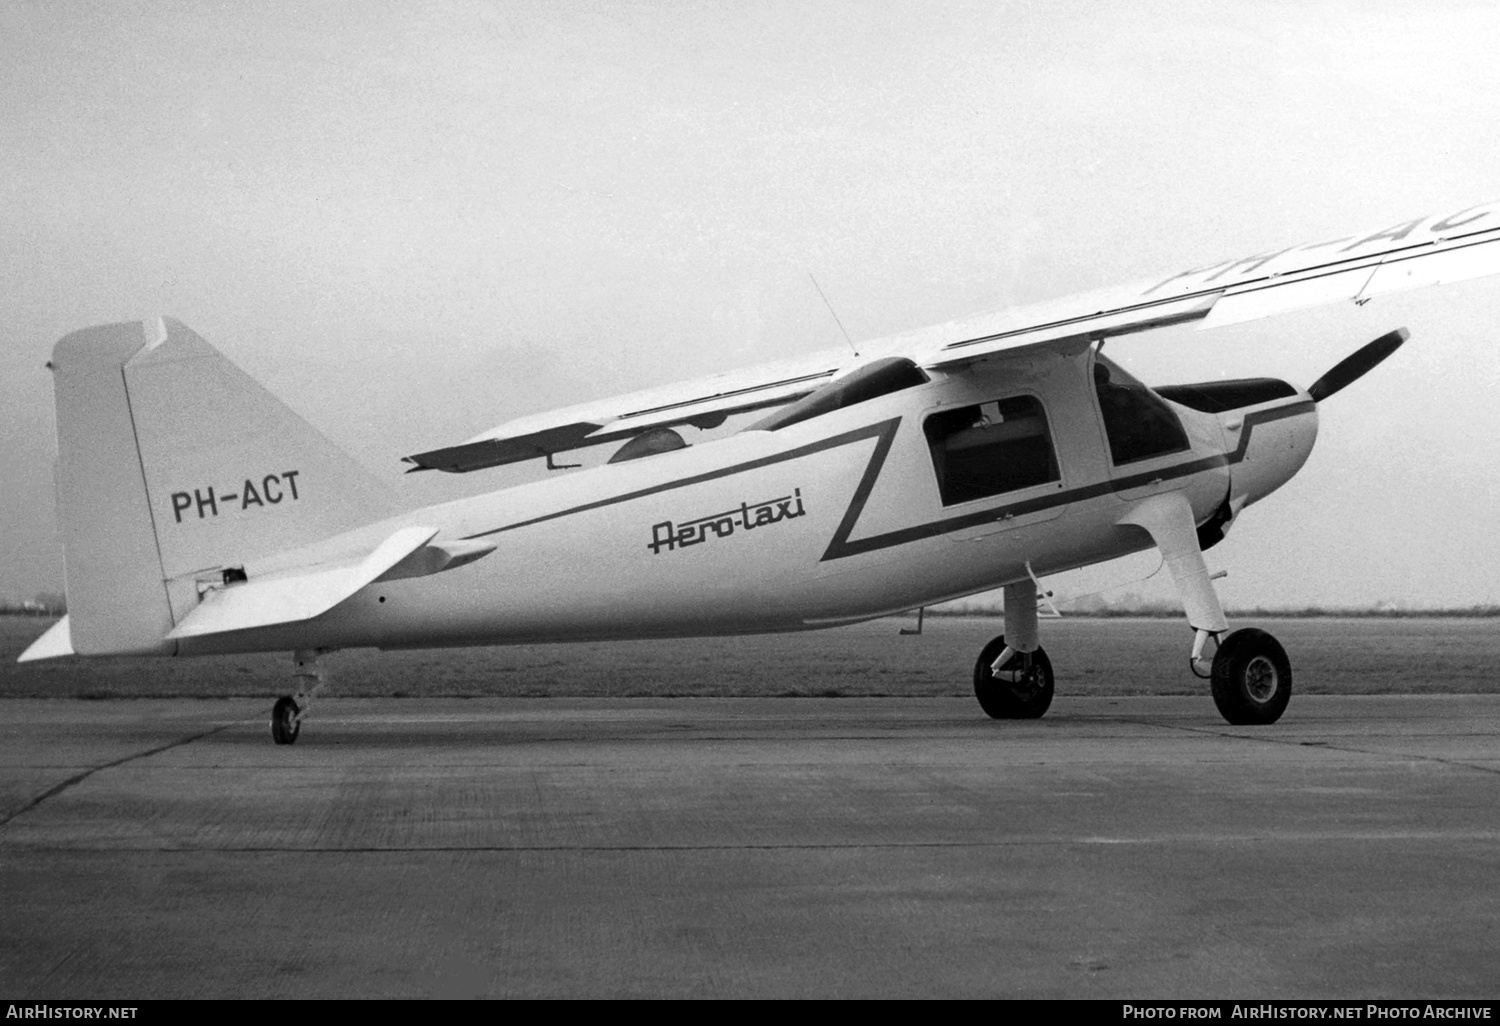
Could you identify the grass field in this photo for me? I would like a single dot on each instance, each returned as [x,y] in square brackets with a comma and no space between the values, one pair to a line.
[1090,656]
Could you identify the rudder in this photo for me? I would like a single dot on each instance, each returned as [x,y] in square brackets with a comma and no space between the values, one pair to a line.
[117,600]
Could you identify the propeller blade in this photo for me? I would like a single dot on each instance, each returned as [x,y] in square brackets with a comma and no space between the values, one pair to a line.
[1357,364]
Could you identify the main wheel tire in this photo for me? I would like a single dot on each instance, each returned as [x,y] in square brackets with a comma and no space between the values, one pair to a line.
[1022,690]
[1252,678]
[284,723]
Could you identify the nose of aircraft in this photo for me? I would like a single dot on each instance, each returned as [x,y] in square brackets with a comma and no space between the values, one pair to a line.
[1268,446]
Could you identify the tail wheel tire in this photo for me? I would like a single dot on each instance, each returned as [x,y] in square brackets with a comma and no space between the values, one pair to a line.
[284,723]
[1022,690]
[1252,678]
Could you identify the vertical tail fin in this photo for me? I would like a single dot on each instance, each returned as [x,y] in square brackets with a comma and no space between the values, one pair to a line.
[174,465]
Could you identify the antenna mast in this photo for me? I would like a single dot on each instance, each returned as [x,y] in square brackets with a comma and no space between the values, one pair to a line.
[834,313]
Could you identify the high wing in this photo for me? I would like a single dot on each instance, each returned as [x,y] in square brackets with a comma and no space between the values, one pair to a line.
[1411,254]
[1408,255]
[703,403]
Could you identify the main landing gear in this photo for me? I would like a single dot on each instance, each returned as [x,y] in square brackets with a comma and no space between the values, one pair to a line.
[289,711]
[1019,687]
[1013,681]
[286,720]
[1250,673]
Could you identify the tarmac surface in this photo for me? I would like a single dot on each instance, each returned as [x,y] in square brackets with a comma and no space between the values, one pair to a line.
[1125,848]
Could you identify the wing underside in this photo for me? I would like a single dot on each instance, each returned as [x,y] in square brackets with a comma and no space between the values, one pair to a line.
[705,403]
[1414,254]
[1411,254]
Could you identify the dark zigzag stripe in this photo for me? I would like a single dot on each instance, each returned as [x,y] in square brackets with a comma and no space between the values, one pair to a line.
[840,547]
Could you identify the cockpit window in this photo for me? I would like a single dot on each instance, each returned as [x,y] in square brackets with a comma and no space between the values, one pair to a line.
[1138,423]
[880,377]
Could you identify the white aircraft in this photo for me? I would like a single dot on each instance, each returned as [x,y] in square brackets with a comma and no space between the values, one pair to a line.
[199,515]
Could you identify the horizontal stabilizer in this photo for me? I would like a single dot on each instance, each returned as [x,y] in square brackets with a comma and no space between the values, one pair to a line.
[54,644]
[435,557]
[297,595]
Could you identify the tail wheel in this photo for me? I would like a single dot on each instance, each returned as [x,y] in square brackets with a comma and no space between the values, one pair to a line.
[285,726]
[1022,690]
[1252,678]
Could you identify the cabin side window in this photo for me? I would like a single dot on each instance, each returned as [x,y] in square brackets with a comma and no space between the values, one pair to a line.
[1138,423]
[994,447]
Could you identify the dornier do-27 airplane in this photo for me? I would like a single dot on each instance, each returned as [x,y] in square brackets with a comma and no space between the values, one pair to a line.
[199,515]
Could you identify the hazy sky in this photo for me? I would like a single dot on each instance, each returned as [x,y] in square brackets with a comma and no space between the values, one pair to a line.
[415,221]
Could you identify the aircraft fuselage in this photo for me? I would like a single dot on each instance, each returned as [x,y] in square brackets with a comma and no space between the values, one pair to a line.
[876,508]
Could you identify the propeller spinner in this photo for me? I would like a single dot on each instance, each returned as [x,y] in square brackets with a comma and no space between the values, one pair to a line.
[1357,364]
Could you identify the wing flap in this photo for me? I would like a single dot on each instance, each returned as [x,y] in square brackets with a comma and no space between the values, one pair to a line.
[297,595]
[712,411]
[704,403]
[497,452]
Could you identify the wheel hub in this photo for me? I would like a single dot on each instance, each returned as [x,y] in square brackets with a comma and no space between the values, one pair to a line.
[1261,679]
[1024,682]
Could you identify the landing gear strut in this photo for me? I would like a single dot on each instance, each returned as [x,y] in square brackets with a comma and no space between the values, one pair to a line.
[1252,677]
[288,712]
